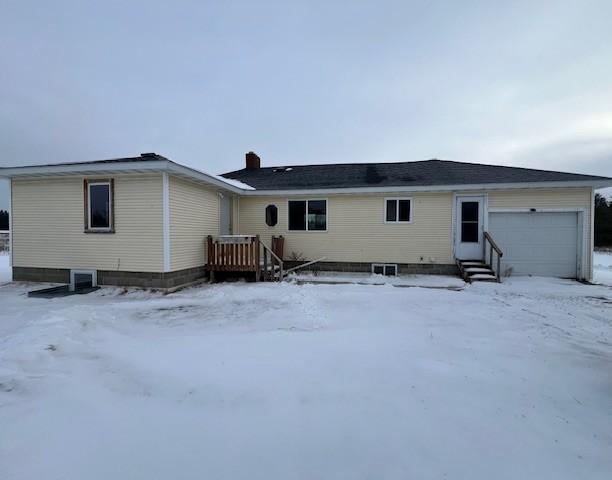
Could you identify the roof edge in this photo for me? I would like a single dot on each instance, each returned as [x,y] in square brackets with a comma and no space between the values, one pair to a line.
[434,188]
[160,164]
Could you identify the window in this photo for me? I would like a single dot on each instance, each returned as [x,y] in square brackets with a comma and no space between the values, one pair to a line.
[80,279]
[308,215]
[469,222]
[386,269]
[271,215]
[398,210]
[99,206]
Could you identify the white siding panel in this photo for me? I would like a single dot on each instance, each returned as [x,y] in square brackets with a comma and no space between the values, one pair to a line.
[194,214]
[356,231]
[49,227]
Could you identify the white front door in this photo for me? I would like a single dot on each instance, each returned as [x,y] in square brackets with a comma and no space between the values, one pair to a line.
[469,228]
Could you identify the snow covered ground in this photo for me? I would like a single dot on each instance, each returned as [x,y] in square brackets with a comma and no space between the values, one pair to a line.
[433,281]
[267,381]
[5,270]
[602,268]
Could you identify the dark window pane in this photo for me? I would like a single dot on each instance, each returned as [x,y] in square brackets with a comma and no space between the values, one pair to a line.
[271,215]
[469,232]
[317,215]
[378,269]
[404,210]
[390,270]
[469,211]
[297,215]
[99,206]
[83,280]
[391,210]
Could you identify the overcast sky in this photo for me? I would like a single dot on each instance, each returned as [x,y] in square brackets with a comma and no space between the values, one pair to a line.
[515,83]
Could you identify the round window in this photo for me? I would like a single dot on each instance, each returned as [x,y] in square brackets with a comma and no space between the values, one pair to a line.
[271,215]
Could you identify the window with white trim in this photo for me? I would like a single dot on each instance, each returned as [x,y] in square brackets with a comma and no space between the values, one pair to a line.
[398,210]
[386,269]
[308,215]
[99,205]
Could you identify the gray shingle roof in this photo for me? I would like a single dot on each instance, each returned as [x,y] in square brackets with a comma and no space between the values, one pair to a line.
[404,174]
[144,157]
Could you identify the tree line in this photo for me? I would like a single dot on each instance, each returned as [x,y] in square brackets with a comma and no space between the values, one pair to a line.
[4,220]
[603,221]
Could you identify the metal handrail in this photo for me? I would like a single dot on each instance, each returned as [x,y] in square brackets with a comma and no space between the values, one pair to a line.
[494,247]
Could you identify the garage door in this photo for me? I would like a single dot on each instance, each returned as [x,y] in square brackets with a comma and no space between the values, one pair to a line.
[537,243]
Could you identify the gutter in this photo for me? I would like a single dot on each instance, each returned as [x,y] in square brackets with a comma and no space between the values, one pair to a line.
[431,188]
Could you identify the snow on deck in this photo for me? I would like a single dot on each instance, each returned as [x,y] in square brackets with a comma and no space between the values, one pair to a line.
[283,381]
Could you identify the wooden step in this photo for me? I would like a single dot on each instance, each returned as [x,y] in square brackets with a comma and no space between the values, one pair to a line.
[476,271]
[483,277]
[483,269]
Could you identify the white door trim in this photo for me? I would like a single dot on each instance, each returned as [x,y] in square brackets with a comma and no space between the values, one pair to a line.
[485,215]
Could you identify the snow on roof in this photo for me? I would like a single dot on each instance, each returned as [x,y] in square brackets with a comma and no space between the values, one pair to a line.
[234,183]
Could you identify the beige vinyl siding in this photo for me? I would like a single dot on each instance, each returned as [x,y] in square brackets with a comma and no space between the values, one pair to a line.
[194,214]
[551,198]
[48,225]
[356,230]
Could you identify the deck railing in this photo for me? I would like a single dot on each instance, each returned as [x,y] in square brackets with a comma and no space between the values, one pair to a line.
[246,253]
[233,253]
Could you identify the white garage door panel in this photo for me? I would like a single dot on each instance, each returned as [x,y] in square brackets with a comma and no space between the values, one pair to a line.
[539,243]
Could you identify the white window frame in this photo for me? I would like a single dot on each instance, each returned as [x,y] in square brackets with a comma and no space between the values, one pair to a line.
[110,206]
[397,220]
[385,265]
[81,271]
[306,214]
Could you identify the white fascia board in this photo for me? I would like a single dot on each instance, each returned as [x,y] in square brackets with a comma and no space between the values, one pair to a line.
[432,188]
[117,167]
[203,177]
[84,168]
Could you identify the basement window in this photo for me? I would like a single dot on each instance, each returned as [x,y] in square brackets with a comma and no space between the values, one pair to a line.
[398,210]
[386,269]
[81,279]
[308,215]
[99,206]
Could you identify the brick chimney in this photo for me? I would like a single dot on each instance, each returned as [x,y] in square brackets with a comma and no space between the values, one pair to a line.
[252,161]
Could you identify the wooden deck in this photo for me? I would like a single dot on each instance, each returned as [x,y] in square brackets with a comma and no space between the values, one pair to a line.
[245,254]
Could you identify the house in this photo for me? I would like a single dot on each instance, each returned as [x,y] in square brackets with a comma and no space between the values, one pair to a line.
[144,221]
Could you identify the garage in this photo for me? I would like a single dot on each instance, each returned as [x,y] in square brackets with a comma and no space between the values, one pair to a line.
[537,243]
